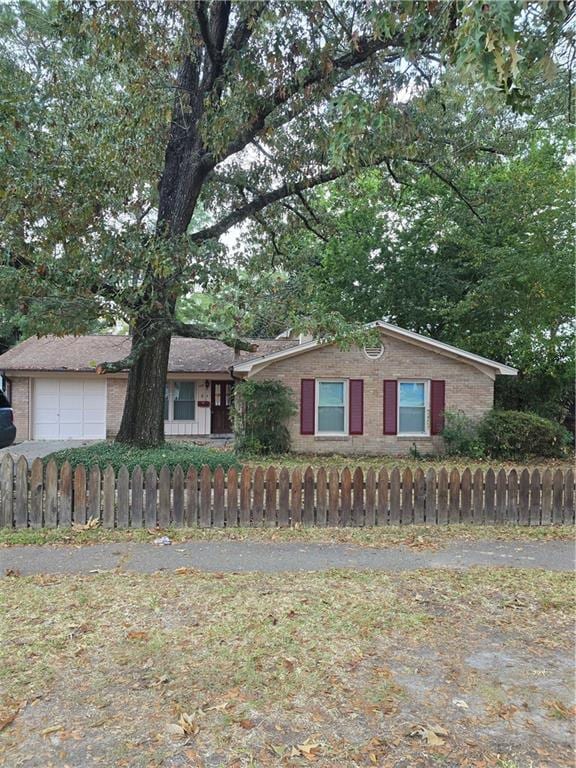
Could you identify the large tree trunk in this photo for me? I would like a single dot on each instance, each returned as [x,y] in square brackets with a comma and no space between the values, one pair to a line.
[143,416]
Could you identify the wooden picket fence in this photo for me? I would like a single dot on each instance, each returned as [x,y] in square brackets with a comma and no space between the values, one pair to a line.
[41,496]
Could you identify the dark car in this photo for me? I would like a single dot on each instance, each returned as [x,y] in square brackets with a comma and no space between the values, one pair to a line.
[7,427]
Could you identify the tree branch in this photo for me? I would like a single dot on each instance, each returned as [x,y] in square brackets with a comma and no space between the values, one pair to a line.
[196,331]
[262,201]
[245,28]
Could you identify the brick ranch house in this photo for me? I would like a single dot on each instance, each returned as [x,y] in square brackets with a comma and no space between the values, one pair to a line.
[375,400]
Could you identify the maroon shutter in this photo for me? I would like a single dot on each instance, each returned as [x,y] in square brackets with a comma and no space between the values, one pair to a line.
[390,406]
[437,396]
[356,417]
[307,406]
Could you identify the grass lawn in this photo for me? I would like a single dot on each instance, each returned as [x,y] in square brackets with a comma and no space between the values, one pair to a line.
[417,536]
[347,669]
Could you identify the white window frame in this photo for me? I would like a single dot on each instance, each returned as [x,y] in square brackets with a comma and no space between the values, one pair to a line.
[170,385]
[345,432]
[426,432]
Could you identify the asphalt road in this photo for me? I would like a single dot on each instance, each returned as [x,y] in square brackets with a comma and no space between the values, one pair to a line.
[246,556]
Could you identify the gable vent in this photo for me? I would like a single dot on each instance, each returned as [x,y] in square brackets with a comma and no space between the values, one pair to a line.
[373,353]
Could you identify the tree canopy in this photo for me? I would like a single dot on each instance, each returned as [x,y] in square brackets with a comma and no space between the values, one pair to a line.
[136,134]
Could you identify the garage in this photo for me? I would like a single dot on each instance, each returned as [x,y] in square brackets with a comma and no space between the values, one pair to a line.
[64,409]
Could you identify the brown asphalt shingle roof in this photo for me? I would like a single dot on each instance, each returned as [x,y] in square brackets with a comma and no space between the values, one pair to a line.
[83,353]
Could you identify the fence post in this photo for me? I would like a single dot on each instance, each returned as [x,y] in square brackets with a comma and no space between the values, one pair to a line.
[137,493]
[535,498]
[524,498]
[232,498]
[191,519]
[245,483]
[407,511]
[65,503]
[430,508]
[178,491]
[568,518]
[370,507]
[94,482]
[466,495]
[270,516]
[296,498]
[557,497]
[321,497]
[109,497]
[357,518]
[547,497]
[512,513]
[37,493]
[395,496]
[7,492]
[501,487]
[218,520]
[205,517]
[284,498]
[489,496]
[382,513]
[442,497]
[51,510]
[258,497]
[21,494]
[454,500]
[123,505]
[333,498]
[151,501]
[164,498]
[308,512]
[346,497]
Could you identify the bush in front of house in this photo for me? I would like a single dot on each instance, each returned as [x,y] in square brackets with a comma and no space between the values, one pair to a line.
[170,454]
[516,434]
[261,411]
[461,436]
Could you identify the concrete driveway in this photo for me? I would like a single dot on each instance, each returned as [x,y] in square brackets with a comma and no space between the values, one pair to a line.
[33,449]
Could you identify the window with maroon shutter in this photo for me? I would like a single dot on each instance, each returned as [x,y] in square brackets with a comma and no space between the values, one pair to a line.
[307,406]
[390,407]
[356,417]
[437,406]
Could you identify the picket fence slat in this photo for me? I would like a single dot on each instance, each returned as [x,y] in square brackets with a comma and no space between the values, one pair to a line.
[37,492]
[35,495]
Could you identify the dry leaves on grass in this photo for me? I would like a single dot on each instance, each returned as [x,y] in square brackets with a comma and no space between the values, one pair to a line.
[90,524]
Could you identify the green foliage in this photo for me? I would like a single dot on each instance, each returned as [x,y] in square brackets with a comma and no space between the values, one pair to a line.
[516,434]
[461,436]
[261,410]
[169,454]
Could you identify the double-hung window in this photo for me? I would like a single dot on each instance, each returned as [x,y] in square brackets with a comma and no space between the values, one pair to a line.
[331,407]
[413,407]
[180,401]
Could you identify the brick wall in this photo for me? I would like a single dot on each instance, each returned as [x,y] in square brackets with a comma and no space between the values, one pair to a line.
[21,406]
[115,397]
[467,388]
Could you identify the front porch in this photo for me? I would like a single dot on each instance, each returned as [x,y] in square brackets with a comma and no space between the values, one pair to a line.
[198,407]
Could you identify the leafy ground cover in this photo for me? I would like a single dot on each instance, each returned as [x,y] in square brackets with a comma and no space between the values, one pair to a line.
[412,536]
[189,454]
[170,454]
[341,669]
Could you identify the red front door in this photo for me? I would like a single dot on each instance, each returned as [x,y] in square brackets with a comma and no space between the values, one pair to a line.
[220,407]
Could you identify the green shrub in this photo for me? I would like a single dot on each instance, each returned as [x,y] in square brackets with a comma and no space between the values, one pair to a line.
[461,436]
[170,454]
[516,434]
[261,410]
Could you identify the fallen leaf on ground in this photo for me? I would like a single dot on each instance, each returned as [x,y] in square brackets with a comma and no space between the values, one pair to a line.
[247,724]
[188,724]
[91,523]
[12,572]
[136,634]
[52,729]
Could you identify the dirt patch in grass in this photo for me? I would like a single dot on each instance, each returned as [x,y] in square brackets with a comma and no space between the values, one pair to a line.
[389,536]
[339,669]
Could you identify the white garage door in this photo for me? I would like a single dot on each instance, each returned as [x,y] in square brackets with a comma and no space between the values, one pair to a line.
[69,409]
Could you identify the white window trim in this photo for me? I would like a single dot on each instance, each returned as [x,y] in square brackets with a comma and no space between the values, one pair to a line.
[345,432]
[426,383]
[171,419]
